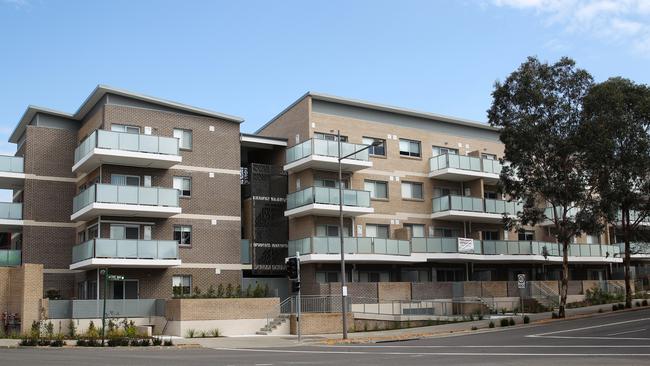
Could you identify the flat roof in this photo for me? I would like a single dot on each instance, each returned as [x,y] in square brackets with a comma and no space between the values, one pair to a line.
[97,94]
[383,108]
[264,140]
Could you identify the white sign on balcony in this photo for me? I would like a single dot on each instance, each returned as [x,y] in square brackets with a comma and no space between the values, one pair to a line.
[465,245]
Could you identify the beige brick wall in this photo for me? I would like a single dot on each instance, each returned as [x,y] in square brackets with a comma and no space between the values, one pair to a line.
[294,121]
[221,309]
[394,290]
[21,291]
[321,323]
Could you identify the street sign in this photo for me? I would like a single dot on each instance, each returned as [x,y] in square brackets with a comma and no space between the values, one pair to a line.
[115,278]
[521,280]
[465,245]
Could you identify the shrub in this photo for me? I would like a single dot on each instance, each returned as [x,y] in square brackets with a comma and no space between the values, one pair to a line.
[72,329]
[621,306]
[554,315]
[526,319]
[203,334]
[168,342]
[28,341]
[474,328]
[229,290]
[220,291]
[157,341]
[190,333]
[92,332]
[491,325]
[197,292]
[511,321]
[81,343]
[210,293]
[114,342]
[600,310]
[614,307]
[214,332]
[504,322]
[58,342]
[145,342]
[638,304]
[644,302]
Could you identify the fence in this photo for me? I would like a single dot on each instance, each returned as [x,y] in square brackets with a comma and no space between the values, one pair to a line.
[92,309]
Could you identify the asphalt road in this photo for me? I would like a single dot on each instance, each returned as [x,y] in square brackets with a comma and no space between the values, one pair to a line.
[615,338]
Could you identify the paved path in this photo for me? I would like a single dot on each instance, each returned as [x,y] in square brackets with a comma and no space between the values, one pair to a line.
[620,338]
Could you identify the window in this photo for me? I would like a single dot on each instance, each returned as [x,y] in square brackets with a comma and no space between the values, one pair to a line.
[490,235]
[374,276]
[439,150]
[329,183]
[125,180]
[526,235]
[415,230]
[490,194]
[375,150]
[182,285]
[488,156]
[92,232]
[412,190]
[125,128]
[377,189]
[443,232]
[184,138]
[377,231]
[183,184]
[416,275]
[327,277]
[439,192]
[183,234]
[121,232]
[409,147]
[329,137]
[593,239]
[331,231]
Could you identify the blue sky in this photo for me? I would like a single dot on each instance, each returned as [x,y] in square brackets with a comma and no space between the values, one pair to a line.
[253,58]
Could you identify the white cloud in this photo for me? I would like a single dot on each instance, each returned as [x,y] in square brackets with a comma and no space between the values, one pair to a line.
[625,22]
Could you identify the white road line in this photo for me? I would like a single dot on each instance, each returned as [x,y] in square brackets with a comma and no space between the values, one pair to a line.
[506,346]
[436,353]
[585,328]
[629,331]
[599,338]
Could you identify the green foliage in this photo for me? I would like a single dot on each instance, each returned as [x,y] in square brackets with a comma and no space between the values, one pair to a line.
[491,325]
[554,315]
[197,292]
[474,328]
[220,291]
[190,333]
[168,342]
[597,296]
[53,294]
[229,290]
[526,319]
[92,332]
[157,341]
[644,302]
[215,332]
[615,307]
[504,322]
[211,293]
[72,329]
[511,321]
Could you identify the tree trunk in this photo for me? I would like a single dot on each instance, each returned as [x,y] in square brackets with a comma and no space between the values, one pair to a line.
[564,284]
[626,236]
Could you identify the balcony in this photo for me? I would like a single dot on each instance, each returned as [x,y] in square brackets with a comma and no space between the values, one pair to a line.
[129,201]
[128,149]
[322,201]
[104,253]
[461,168]
[10,258]
[512,251]
[638,250]
[11,216]
[464,208]
[12,172]
[550,215]
[357,249]
[323,155]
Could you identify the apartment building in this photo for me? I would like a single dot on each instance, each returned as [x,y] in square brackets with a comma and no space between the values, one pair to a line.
[144,187]
[422,206]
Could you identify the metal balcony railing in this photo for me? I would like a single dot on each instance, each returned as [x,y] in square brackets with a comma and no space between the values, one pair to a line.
[130,195]
[325,148]
[328,196]
[125,249]
[126,141]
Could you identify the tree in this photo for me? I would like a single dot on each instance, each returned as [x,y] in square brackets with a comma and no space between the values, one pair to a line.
[616,146]
[537,110]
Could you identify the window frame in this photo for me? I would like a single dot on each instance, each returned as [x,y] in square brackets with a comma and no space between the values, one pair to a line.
[411,183]
[181,231]
[377,227]
[374,183]
[332,137]
[449,150]
[182,177]
[409,229]
[125,128]
[409,153]
[182,277]
[181,139]
[371,149]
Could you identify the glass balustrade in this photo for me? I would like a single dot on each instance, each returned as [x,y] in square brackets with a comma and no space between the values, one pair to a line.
[474,204]
[351,245]
[464,162]
[10,257]
[125,249]
[11,164]
[325,148]
[113,140]
[328,196]
[130,195]
[11,210]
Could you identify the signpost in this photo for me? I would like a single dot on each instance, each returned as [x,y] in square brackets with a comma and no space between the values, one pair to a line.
[107,277]
[521,284]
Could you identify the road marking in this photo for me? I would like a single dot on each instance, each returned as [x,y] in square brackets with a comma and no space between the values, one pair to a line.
[506,346]
[629,331]
[498,354]
[549,334]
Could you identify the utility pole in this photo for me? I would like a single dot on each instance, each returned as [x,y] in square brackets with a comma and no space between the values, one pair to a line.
[344,287]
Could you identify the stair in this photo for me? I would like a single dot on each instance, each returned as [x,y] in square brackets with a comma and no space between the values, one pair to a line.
[275,325]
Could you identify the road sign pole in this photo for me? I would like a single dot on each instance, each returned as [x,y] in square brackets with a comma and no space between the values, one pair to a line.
[104,307]
[298,305]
